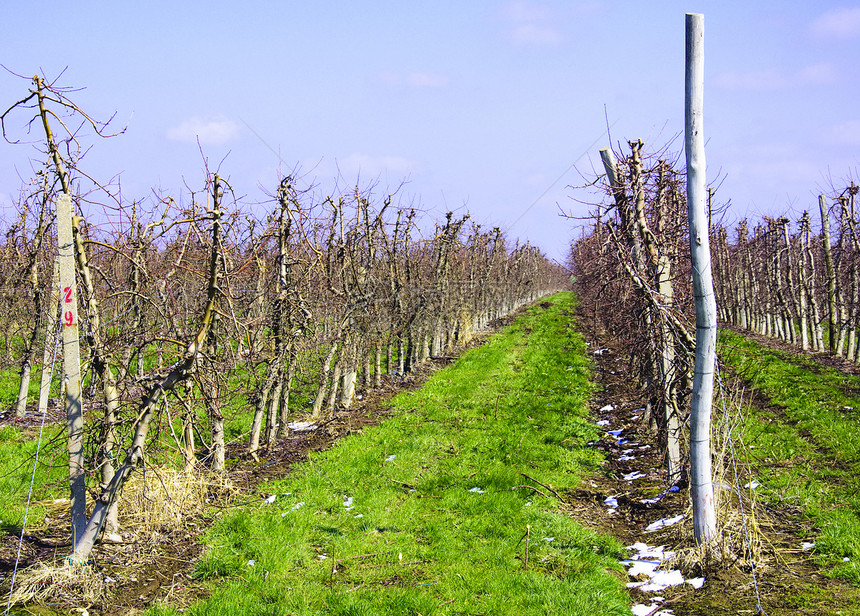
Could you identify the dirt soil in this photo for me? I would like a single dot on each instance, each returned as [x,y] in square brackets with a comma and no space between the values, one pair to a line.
[788,579]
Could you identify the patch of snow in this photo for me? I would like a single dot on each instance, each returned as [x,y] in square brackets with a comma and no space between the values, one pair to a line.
[752,485]
[251,563]
[477,490]
[633,475]
[390,458]
[347,502]
[302,426]
[607,408]
[625,458]
[603,422]
[549,539]
[807,545]
[696,582]
[663,523]
[611,502]
[269,499]
[634,418]
[615,433]
[358,515]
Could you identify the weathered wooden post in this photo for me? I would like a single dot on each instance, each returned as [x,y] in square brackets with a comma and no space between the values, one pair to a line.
[71,365]
[704,516]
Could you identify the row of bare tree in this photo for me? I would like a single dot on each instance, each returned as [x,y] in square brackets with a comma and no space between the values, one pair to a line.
[632,267]
[784,280]
[193,313]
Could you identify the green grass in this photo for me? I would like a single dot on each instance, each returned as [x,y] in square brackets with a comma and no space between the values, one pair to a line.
[436,522]
[807,454]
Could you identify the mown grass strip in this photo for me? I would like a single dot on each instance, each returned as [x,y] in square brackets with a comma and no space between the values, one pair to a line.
[808,453]
[436,510]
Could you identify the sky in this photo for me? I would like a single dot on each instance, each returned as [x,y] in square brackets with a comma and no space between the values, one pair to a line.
[496,108]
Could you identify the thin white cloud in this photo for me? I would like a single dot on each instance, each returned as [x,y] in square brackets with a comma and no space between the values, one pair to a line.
[210,130]
[846,133]
[530,24]
[811,75]
[368,166]
[841,23]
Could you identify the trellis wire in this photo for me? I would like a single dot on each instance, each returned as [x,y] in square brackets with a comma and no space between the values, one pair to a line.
[748,540]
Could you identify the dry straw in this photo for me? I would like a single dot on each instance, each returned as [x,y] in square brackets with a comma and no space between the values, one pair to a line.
[153,503]
[740,540]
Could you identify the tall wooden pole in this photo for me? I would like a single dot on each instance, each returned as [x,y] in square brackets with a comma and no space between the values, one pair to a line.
[704,516]
[71,365]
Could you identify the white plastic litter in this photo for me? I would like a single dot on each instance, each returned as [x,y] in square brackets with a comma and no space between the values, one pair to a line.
[633,475]
[477,490]
[293,508]
[663,523]
[302,426]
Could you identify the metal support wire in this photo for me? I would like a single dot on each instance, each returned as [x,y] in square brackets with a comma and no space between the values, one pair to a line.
[748,540]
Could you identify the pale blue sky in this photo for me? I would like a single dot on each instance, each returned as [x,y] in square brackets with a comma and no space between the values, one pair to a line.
[481,105]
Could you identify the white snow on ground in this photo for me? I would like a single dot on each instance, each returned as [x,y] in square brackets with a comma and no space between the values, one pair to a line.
[645,562]
[633,475]
[663,523]
[603,422]
[607,408]
[302,426]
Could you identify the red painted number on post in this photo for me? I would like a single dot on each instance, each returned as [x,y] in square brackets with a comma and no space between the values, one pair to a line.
[69,318]
[68,293]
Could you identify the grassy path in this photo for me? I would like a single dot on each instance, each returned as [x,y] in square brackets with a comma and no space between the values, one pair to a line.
[450,507]
[805,448]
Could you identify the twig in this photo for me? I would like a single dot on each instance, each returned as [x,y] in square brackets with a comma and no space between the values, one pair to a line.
[557,495]
[532,464]
[539,491]
[361,556]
